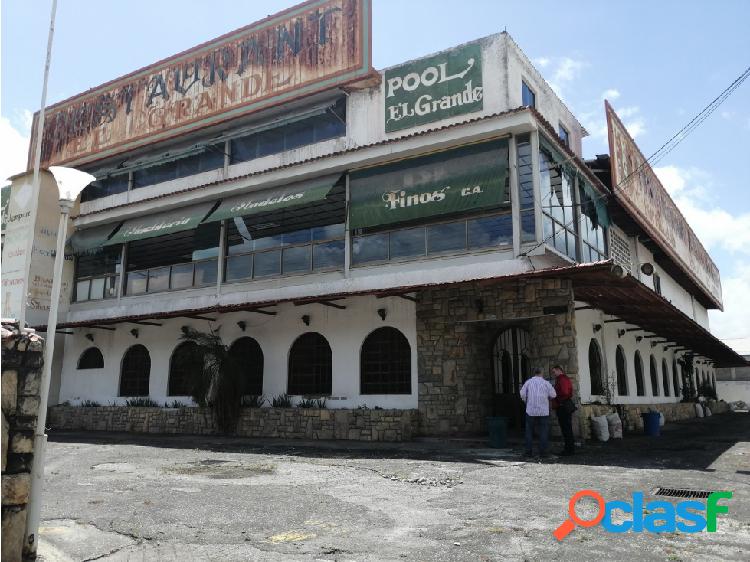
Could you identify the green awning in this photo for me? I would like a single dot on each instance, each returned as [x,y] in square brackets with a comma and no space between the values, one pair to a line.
[268,200]
[150,226]
[91,239]
[465,179]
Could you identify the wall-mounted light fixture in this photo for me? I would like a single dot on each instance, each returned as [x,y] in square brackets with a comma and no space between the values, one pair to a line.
[134,333]
[382,312]
[242,324]
[597,327]
[306,319]
[620,332]
[647,269]
[90,337]
[639,339]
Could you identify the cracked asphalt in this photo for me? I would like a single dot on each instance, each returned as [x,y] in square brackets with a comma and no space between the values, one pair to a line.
[148,497]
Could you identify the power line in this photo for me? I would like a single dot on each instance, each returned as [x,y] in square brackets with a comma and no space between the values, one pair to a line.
[665,148]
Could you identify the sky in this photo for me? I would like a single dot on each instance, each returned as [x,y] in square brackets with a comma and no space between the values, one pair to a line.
[658,63]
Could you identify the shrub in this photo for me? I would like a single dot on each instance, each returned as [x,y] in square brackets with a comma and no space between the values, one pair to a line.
[89,404]
[312,403]
[282,401]
[253,401]
[141,402]
[175,404]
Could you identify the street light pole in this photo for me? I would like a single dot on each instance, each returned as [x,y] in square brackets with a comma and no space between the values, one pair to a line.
[70,183]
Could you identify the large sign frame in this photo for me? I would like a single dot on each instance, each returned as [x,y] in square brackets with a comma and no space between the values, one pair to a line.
[637,188]
[315,46]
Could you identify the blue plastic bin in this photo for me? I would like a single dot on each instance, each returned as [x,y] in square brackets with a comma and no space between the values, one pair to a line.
[498,428]
[651,423]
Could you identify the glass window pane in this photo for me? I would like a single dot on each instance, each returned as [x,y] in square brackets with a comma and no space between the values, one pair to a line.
[585,253]
[268,242]
[299,134]
[239,267]
[547,223]
[528,228]
[111,285]
[490,231]
[205,272]
[448,237]
[270,142]
[182,276]
[158,279]
[370,248]
[328,255]
[267,263]
[188,166]
[296,237]
[244,148]
[136,282]
[601,240]
[82,290]
[408,242]
[560,245]
[212,157]
[571,245]
[296,259]
[97,289]
[328,232]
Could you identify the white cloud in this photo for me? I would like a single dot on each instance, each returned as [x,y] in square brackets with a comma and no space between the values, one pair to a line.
[568,69]
[563,70]
[15,150]
[636,127]
[727,115]
[542,62]
[731,325]
[610,94]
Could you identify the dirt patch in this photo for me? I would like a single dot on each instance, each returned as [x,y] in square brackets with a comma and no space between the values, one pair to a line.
[222,470]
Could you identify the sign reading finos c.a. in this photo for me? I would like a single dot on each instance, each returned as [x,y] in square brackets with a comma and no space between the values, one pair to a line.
[433,88]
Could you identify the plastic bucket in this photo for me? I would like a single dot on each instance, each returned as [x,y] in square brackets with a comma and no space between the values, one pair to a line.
[498,429]
[651,423]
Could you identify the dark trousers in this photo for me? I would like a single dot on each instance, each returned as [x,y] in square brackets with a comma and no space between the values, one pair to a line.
[566,426]
[541,424]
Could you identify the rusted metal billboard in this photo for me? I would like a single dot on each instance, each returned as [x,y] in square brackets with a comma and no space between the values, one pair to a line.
[317,45]
[638,189]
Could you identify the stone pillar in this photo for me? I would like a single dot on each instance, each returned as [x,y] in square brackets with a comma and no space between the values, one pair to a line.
[22,360]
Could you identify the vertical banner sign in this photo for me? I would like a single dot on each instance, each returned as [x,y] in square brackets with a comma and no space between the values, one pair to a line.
[34,292]
[315,46]
[434,88]
[642,194]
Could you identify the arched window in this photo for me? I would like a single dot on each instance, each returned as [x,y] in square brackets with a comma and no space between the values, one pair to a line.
[91,359]
[713,381]
[595,369]
[310,365]
[135,372]
[185,367]
[654,372]
[385,363]
[249,357]
[676,379]
[665,376]
[640,385]
[622,372]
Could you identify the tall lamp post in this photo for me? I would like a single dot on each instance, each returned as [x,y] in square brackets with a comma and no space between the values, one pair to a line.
[70,183]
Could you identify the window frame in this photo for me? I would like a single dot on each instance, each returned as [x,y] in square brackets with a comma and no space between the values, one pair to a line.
[304,366]
[183,347]
[147,361]
[564,134]
[594,345]
[397,367]
[258,365]
[525,87]
[622,377]
[85,355]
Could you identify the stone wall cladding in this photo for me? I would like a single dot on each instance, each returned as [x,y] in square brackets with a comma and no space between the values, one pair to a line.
[22,360]
[675,411]
[456,329]
[284,423]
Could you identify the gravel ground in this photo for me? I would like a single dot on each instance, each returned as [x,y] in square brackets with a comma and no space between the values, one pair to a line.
[143,497]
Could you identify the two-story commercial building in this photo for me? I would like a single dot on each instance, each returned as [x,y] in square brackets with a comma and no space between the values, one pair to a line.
[417,238]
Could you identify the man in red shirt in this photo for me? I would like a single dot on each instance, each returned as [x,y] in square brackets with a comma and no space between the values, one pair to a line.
[565,407]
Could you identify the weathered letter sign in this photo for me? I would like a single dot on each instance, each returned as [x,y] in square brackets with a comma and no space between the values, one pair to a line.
[315,46]
[433,88]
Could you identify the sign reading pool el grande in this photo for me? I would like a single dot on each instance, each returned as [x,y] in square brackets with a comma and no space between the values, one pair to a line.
[434,88]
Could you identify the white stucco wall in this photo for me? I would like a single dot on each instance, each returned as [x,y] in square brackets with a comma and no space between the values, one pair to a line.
[345,331]
[608,341]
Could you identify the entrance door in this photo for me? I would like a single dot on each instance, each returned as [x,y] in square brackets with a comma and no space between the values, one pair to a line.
[510,361]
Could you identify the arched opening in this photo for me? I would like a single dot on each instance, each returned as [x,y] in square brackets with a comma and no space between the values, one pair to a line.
[622,372]
[248,355]
[91,359]
[676,379]
[640,384]
[595,369]
[654,373]
[385,363]
[665,377]
[135,371]
[310,365]
[510,368]
[185,368]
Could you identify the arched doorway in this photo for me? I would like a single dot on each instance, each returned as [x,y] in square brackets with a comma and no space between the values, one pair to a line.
[510,368]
